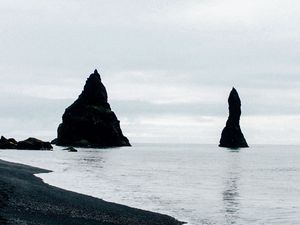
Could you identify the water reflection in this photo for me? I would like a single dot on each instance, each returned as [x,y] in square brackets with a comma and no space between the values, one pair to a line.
[231,193]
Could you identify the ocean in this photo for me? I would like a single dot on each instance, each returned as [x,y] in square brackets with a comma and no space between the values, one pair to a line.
[199,184]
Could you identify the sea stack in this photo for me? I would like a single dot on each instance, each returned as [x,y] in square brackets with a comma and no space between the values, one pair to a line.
[89,121]
[232,136]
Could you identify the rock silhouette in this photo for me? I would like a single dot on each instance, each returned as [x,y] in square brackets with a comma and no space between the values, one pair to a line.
[28,144]
[89,121]
[34,144]
[8,143]
[70,149]
[232,136]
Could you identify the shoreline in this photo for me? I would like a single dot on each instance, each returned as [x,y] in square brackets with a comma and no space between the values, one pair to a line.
[26,199]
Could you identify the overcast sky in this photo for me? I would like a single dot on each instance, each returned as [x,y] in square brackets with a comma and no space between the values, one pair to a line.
[168,66]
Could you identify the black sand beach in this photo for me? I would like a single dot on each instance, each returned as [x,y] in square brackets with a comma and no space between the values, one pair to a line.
[26,199]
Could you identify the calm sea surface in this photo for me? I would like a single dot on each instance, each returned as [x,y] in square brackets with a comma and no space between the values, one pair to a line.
[200,184]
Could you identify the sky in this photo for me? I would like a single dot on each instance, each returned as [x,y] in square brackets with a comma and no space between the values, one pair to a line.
[168,66]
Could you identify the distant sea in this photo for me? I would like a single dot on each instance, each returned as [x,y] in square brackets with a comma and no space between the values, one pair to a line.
[200,184]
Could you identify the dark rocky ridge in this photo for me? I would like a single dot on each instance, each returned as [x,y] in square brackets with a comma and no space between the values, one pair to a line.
[34,144]
[8,143]
[28,144]
[89,121]
[232,136]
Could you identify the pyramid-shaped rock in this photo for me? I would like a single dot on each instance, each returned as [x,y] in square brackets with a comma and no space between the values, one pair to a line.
[89,121]
[232,136]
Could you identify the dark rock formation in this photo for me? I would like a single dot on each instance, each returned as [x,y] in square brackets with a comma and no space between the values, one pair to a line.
[70,149]
[232,136]
[8,143]
[89,121]
[28,144]
[34,144]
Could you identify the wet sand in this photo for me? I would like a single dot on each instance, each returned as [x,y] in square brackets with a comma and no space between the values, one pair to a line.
[26,199]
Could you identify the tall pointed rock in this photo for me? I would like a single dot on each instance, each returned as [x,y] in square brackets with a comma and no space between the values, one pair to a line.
[89,121]
[232,136]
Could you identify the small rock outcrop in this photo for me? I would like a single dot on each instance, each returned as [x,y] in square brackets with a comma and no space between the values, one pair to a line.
[232,136]
[89,121]
[8,143]
[34,144]
[70,149]
[28,144]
